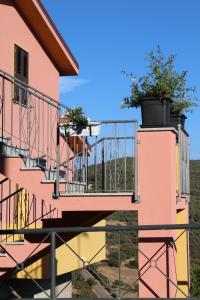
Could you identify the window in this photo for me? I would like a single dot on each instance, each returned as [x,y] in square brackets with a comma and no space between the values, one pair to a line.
[21,73]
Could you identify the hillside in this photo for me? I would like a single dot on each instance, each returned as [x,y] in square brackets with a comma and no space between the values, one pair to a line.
[195,191]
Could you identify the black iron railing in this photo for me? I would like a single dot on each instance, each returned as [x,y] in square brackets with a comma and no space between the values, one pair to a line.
[118,240]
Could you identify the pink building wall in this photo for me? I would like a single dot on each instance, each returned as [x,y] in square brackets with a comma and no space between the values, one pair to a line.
[13,30]
[43,76]
[158,205]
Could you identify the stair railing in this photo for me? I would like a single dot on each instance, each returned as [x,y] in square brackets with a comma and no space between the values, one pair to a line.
[20,209]
[30,125]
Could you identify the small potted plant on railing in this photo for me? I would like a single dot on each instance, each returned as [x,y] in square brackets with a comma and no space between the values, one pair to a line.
[163,91]
[74,123]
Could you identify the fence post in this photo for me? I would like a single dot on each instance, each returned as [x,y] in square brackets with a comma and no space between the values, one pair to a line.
[2,107]
[103,167]
[53,264]
[56,193]
[137,197]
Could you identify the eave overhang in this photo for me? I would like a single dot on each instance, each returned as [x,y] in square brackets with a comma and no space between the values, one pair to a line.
[47,34]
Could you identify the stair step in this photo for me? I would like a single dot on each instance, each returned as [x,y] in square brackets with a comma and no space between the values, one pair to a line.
[5,140]
[30,169]
[32,162]
[11,151]
[3,254]
[46,181]
[15,243]
[53,221]
[63,194]
[50,175]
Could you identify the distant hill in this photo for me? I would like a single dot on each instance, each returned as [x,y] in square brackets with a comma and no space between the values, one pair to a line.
[195,191]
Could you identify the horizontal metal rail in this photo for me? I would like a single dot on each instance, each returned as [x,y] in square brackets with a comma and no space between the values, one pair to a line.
[103,229]
[117,121]
[31,89]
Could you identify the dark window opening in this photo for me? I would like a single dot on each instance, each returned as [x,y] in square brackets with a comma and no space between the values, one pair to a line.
[21,73]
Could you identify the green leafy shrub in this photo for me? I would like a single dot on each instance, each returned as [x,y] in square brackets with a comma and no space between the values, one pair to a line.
[116,283]
[113,258]
[195,279]
[77,116]
[163,82]
[132,264]
[91,281]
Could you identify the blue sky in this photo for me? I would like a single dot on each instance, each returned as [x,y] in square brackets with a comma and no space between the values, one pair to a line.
[108,36]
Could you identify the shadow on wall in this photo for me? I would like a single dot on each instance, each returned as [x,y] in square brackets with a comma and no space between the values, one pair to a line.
[27,288]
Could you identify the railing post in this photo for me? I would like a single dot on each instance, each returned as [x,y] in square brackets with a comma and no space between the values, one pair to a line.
[95,166]
[103,168]
[84,160]
[119,263]
[53,265]
[137,198]
[179,162]
[57,193]
[2,107]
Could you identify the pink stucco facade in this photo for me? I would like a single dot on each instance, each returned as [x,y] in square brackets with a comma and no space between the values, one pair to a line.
[43,75]
[38,116]
[157,188]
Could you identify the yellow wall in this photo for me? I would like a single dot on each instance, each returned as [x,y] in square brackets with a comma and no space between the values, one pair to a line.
[20,215]
[182,255]
[85,245]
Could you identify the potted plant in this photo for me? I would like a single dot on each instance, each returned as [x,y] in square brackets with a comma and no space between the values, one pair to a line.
[75,123]
[161,92]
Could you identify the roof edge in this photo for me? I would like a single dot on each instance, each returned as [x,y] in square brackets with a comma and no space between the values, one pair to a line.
[57,32]
[45,30]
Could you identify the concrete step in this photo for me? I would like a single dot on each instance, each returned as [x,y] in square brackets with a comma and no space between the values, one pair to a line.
[3,254]
[6,140]
[7,150]
[74,188]
[15,243]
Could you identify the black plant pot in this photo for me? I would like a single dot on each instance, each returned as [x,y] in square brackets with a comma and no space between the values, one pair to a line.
[155,112]
[176,119]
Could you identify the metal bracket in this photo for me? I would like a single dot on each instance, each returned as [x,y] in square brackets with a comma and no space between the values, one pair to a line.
[137,199]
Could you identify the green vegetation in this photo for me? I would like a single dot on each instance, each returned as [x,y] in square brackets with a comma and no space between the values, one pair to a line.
[195,279]
[162,82]
[77,116]
[83,288]
[132,264]
[116,283]
[74,119]
[110,171]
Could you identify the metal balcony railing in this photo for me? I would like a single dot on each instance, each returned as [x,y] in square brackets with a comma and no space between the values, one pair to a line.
[183,163]
[126,247]
[31,129]
[106,163]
